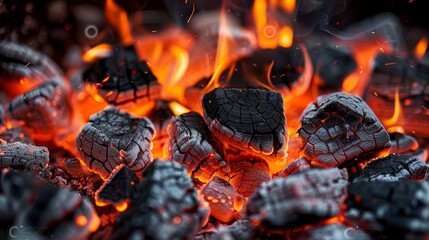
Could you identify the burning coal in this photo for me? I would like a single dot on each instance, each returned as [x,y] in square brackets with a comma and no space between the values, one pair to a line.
[239,120]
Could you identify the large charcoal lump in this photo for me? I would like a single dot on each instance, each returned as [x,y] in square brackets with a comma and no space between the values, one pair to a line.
[340,127]
[252,120]
[22,156]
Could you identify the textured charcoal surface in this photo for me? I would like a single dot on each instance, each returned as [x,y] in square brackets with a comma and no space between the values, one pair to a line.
[299,199]
[402,143]
[166,206]
[335,231]
[340,127]
[248,173]
[16,134]
[35,203]
[73,167]
[191,144]
[120,186]
[298,165]
[112,137]
[221,196]
[23,157]
[250,119]
[394,208]
[395,167]
[122,78]
[239,230]
[19,61]
[44,110]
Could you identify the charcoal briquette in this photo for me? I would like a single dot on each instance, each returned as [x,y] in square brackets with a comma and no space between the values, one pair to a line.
[112,137]
[16,134]
[23,157]
[402,143]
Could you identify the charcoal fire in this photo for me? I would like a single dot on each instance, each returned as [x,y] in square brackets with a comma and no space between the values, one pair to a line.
[16,134]
[299,199]
[191,144]
[35,203]
[395,167]
[250,119]
[165,207]
[340,127]
[113,137]
[402,143]
[298,165]
[122,78]
[23,157]
[394,209]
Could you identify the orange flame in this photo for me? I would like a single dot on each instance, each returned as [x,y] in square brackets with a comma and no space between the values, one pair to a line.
[177,108]
[396,119]
[122,206]
[100,51]
[81,220]
[118,20]
[421,48]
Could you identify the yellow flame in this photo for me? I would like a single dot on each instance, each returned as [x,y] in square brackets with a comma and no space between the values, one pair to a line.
[122,206]
[177,108]
[288,5]
[397,112]
[421,48]
[286,36]
[118,20]
[99,51]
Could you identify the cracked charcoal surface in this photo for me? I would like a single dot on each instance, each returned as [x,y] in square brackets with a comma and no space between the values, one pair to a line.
[395,167]
[239,230]
[402,143]
[299,199]
[191,144]
[35,203]
[24,157]
[248,173]
[19,61]
[112,137]
[252,120]
[296,166]
[16,134]
[393,208]
[44,110]
[340,127]
[335,231]
[166,206]
[120,186]
[123,78]
[221,196]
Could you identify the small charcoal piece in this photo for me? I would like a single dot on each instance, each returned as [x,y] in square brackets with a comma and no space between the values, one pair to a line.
[239,230]
[16,134]
[402,143]
[73,167]
[165,207]
[120,186]
[296,166]
[248,173]
[223,199]
[340,127]
[21,156]
[299,199]
[56,212]
[122,78]
[44,110]
[335,231]
[112,137]
[395,167]
[252,120]
[160,116]
[191,144]
[394,209]
[205,232]
[21,64]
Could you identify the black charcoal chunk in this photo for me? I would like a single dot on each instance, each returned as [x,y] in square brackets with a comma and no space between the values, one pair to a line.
[112,137]
[119,187]
[335,231]
[402,143]
[44,110]
[340,127]
[239,230]
[191,144]
[122,78]
[73,167]
[57,212]
[22,156]
[252,120]
[160,116]
[299,199]
[165,207]
[16,134]
[298,165]
[394,209]
[395,167]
